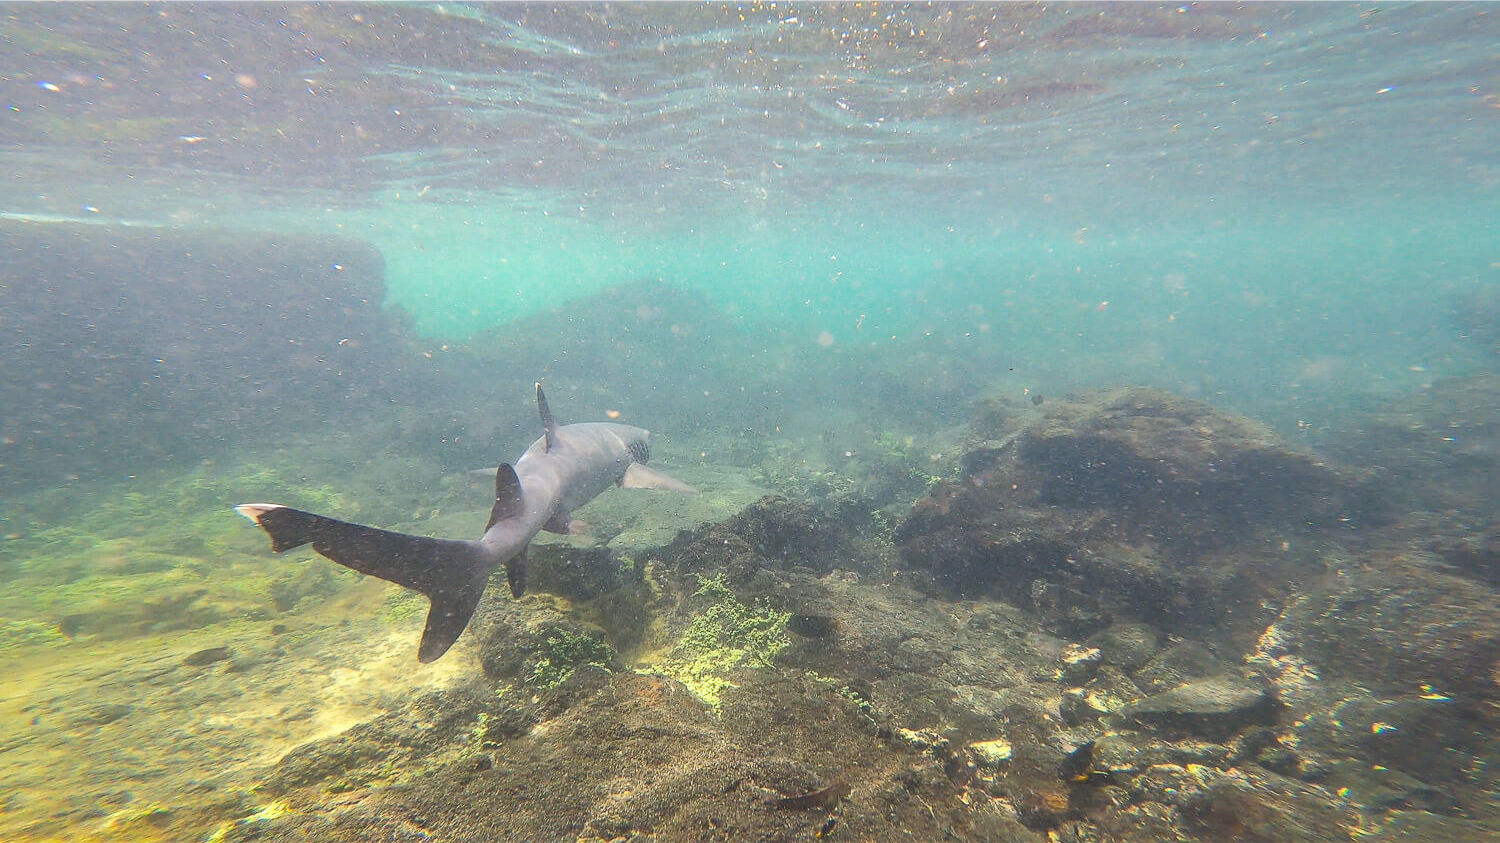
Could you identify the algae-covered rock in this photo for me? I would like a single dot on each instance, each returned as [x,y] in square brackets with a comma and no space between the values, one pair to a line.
[726,636]
[397,745]
[1215,708]
[1130,504]
[537,643]
[774,530]
[1127,644]
[1396,624]
[133,345]
[1180,464]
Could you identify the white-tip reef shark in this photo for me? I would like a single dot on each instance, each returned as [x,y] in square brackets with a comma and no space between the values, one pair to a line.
[563,470]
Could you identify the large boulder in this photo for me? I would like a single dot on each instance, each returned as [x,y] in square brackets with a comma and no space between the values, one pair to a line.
[1128,502]
[1395,624]
[128,344]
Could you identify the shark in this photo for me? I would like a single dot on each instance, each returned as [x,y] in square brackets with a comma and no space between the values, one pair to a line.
[568,466]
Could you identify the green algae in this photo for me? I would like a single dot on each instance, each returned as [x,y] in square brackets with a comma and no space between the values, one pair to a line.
[28,633]
[401,604]
[563,652]
[724,637]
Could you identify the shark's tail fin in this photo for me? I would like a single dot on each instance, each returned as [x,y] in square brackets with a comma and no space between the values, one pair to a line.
[451,573]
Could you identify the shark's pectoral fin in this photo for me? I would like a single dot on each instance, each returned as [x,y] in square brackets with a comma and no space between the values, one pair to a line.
[559,523]
[638,476]
[564,524]
[515,573]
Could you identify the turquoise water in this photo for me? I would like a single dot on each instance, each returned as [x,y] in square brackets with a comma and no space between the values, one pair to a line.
[323,251]
[1243,186]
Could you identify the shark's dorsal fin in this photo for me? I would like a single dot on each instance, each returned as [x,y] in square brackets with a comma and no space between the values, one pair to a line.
[508,500]
[548,423]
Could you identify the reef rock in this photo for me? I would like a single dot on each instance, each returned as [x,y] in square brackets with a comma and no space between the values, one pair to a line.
[773,532]
[1395,624]
[1213,708]
[1127,503]
[129,345]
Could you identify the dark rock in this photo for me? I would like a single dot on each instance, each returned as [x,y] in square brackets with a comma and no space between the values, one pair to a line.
[1264,747]
[1438,448]
[1183,467]
[1121,754]
[1473,550]
[1265,810]
[1127,644]
[1109,690]
[104,714]
[1215,708]
[812,626]
[1177,664]
[134,345]
[1035,780]
[1078,664]
[1129,503]
[1409,826]
[579,573]
[1375,787]
[207,657]
[1431,738]
[1075,709]
[1396,625]
[790,534]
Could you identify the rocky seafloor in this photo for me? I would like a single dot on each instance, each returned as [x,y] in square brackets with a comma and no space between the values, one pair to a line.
[897,610]
[1125,616]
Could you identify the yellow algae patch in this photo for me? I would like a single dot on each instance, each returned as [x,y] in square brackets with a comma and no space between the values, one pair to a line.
[724,637]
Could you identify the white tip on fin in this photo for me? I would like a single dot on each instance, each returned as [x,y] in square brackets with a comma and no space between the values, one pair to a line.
[254,511]
[549,424]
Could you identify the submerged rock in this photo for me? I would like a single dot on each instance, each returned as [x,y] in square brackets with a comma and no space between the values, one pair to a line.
[1266,809]
[132,345]
[783,532]
[1185,468]
[400,744]
[1129,503]
[208,656]
[1438,447]
[938,718]
[1126,644]
[1213,708]
[1395,624]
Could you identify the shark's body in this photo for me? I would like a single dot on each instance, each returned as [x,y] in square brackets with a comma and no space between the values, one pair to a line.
[565,469]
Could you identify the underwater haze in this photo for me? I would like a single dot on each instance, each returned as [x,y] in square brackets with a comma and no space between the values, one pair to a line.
[1093,407]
